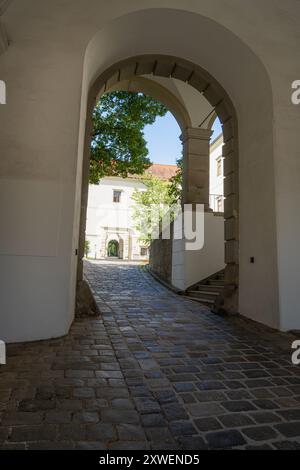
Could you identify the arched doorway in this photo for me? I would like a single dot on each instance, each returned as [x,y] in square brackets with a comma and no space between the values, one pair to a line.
[222,45]
[113,249]
[193,191]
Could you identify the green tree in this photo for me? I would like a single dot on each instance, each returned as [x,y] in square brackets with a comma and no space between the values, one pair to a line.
[158,198]
[118,144]
[86,248]
[175,186]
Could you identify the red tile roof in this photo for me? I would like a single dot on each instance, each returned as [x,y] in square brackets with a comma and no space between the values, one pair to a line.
[164,172]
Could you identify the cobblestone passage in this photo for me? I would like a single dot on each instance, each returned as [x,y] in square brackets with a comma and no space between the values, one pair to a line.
[154,371]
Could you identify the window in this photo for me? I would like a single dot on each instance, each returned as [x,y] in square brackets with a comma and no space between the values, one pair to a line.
[219,204]
[117,196]
[219,166]
[144,251]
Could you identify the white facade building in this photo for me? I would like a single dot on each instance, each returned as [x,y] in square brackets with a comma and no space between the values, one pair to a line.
[216,175]
[110,228]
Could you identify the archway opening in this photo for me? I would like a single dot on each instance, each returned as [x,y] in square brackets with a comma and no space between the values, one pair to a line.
[196,170]
[113,250]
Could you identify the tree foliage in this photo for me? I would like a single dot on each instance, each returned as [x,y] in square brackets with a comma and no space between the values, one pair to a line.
[87,246]
[153,204]
[175,185]
[118,144]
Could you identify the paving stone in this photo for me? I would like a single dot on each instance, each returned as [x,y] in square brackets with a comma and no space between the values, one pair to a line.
[85,417]
[4,431]
[159,434]
[238,406]
[130,445]
[234,384]
[148,364]
[289,429]
[95,404]
[110,393]
[182,428]
[259,447]
[101,432]
[192,443]
[210,396]
[5,395]
[32,405]
[290,415]
[153,420]
[13,446]
[90,445]
[50,445]
[238,395]
[208,424]
[174,412]
[165,396]
[19,417]
[258,383]
[281,391]
[155,365]
[96,382]
[71,405]
[119,416]
[73,432]
[265,404]
[130,432]
[225,439]
[109,374]
[287,445]
[262,393]
[45,393]
[146,405]
[260,433]
[123,403]
[43,432]
[182,378]
[142,391]
[255,374]
[188,398]
[184,387]
[205,409]
[79,373]
[265,417]
[235,420]
[211,385]
[58,417]
[84,392]
[286,402]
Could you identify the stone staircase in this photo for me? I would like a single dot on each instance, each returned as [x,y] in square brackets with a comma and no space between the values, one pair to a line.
[207,291]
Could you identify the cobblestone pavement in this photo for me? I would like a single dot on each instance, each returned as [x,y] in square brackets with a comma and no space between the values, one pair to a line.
[154,371]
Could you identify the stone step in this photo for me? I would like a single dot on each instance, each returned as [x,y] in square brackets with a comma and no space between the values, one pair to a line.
[215,282]
[207,302]
[218,277]
[208,288]
[204,294]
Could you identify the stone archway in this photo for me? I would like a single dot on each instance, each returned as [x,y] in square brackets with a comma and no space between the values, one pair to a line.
[141,84]
[204,83]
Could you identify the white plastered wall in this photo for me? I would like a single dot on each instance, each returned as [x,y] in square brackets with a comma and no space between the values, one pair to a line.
[192,266]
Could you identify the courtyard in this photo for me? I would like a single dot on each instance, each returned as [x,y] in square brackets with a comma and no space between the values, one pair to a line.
[154,371]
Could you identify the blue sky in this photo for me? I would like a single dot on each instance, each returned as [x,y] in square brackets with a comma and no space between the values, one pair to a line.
[163,139]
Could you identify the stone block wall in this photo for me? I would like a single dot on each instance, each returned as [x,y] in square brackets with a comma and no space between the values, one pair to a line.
[160,260]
